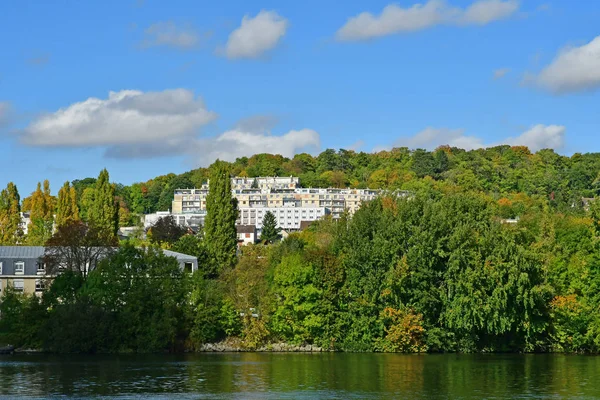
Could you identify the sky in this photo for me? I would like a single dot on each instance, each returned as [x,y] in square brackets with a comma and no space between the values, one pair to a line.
[148,87]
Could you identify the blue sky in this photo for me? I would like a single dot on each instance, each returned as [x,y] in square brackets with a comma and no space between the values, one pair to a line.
[193,81]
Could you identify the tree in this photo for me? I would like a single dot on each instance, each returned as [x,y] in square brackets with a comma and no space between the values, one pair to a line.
[221,208]
[78,247]
[166,230]
[424,164]
[66,209]
[104,212]
[41,215]
[10,217]
[270,230]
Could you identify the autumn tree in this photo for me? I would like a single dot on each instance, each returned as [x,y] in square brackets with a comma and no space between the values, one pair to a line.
[221,208]
[77,247]
[66,209]
[41,215]
[10,217]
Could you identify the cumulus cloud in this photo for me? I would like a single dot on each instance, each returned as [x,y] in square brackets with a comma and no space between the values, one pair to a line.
[395,19]
[128,117]
[536,138]
[256,35]
[236,143]
[574,69]
[168,34]
[541,137]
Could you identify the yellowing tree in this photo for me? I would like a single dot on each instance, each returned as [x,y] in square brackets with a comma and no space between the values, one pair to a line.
[10,217]
[41,215]
[66,210]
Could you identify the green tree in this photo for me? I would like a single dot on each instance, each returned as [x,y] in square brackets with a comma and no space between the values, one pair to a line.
[221,208]
[166,231]
[104,212]
[66,209]
[10,217]
[270,230]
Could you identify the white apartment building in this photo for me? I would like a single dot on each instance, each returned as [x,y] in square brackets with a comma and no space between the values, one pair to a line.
[288,218]
[282,196]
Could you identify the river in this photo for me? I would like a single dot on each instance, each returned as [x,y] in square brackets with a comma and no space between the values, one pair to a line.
[300,376]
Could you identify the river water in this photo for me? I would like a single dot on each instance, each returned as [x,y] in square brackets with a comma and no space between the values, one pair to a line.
[300,376]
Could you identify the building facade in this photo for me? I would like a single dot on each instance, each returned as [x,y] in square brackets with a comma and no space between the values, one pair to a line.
[283,196]
[22,268]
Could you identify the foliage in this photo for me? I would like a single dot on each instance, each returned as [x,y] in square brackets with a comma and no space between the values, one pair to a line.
[270,230]
[166,231]
[66,208]
[77,247]
[103,212]
[221,208]
[41,214]
[10,218]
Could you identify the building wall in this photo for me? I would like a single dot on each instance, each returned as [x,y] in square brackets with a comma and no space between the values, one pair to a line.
[287,217]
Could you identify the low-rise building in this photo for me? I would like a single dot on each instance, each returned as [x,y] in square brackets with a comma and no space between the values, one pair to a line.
[22,267]
[246,234]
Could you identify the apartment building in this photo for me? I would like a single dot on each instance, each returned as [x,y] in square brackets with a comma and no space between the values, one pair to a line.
[288,218]
[283,196]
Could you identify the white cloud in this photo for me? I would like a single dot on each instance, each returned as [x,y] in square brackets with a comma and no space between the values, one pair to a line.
[574,69]
[536,138]
[256,35]
[395,19]
[485,11]
[501,73]
[540,137]
[170,35]
[126,117]
[135,124]
[236,143]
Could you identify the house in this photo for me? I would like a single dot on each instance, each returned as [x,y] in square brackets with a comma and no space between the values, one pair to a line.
[22,267]
[246,234]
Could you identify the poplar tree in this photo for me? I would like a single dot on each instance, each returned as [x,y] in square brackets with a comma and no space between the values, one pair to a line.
[219,226]
[10,217]
[66,209]
[41,215]
[104,213]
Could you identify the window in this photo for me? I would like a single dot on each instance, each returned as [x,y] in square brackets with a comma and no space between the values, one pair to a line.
[247,236]
[40,285]
[19,268]
[187,267]
[18,285]
[0,268]
[41,267]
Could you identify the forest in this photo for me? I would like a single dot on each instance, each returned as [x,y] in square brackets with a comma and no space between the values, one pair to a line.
[495,250]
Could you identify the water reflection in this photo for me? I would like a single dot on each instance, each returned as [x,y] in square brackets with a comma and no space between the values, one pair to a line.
[259,375]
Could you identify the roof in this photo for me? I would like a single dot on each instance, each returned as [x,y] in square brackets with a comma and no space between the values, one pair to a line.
[28,252]
[180,256]
[21,251]
[245,228]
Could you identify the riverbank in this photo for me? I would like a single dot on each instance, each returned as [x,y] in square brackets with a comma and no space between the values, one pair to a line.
[237,346]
